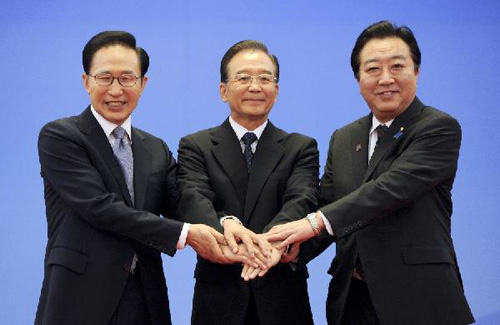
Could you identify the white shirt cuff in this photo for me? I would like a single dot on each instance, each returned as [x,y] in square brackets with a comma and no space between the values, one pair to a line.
[181,243]
[328,226]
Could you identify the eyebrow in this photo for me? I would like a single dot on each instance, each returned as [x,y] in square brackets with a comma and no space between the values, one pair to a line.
[402,57]
[263,71]
[121,72]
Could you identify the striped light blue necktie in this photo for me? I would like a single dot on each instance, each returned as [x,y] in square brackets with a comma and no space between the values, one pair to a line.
[123,153]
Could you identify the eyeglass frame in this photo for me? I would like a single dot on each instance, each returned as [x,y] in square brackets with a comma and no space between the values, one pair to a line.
[113,79]
[252,78]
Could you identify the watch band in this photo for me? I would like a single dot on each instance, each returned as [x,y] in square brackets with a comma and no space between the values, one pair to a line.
[311,217]
[230,217]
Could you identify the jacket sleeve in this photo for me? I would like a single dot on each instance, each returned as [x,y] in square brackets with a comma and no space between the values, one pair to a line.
[195,192]
[67,165]
[301,194]
[430,159]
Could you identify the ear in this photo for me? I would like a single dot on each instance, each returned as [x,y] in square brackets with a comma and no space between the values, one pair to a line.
[144,81]
[277,92]
[223,92]
[85,79]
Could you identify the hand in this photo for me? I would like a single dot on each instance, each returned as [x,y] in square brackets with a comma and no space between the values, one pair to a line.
[250,273]
[292,232]
[206,242]
[234,233]
[291,255]
[260,261]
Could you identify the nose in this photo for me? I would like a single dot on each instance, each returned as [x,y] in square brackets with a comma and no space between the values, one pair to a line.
[386,77]
[254,85]
[115,89]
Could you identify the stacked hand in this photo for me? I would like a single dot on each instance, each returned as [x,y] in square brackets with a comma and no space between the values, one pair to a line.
[254,251]
[277,255]
[292,232]
[246,247]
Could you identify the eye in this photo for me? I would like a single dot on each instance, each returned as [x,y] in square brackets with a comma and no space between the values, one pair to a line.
[104,77]
[243,78]
[265,78]
[127,77]
[398,66]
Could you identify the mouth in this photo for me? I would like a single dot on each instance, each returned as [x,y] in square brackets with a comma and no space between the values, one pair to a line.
[386,92]
[254,100]
[115,105]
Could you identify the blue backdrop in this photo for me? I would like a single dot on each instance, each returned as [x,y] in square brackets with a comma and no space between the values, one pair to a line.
[40,59]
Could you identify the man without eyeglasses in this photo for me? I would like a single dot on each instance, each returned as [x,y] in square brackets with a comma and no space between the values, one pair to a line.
[106,184]
[386,192]
[244,177]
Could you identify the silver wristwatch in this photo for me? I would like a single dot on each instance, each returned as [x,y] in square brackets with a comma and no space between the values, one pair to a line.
[313,220]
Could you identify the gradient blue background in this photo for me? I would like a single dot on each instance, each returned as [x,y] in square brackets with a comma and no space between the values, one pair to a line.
[40,64]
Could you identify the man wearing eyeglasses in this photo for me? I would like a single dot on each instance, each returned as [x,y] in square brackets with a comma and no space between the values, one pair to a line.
[106,183]
[243,177]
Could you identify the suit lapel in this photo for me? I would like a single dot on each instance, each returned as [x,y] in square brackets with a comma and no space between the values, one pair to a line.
[142,167]
[395,133]
[90,127]
[359,147]
[267,155]
[227,152]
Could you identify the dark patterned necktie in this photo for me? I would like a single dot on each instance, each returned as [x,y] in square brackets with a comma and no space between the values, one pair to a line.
[248,138]
[381,130]
[123,153]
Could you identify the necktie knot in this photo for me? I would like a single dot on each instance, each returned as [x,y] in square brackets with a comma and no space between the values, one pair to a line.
[381,130]
[249,138]
[118,132]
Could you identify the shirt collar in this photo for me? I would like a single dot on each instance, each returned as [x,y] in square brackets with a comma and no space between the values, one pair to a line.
[376,123]
[108,126]
[240,130]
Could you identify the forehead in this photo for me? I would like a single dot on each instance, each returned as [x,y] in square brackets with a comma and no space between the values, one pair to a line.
[115,58]
[250,60]
[384,48]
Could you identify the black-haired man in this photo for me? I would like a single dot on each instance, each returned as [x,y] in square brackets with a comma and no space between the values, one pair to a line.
[244,177]
[387,195]
[106,183]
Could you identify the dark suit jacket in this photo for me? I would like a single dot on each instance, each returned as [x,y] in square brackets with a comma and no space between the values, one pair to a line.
[282,186]
[93,230]
[394,213]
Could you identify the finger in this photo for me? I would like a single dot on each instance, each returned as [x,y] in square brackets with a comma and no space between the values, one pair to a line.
[295,249]
[254,274]
[276,229]
[261,260]
[245,260]
[277,236]
[231,242]
[264,245]
[286,242]
[244,271]
[263,272]
[285,258]
[248,242]
[216,254]
[248,272]
[218,237]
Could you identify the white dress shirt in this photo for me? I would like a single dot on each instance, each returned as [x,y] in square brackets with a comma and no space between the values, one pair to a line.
[108,128]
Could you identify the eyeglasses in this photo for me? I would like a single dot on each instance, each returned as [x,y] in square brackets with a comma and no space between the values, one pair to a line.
[106,79]
[245,79]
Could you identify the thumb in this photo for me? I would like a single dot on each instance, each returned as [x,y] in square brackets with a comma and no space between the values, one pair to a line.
[218,237]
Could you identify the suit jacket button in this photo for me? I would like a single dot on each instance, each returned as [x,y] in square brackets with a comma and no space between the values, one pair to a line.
[126,267]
